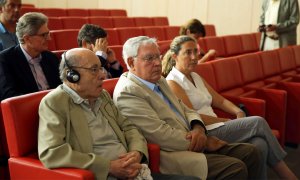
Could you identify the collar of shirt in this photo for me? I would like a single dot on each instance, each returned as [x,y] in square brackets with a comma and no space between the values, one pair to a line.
[102,54]
[179,74]
[76,98]
[2,28]
[28,57]
[147,83]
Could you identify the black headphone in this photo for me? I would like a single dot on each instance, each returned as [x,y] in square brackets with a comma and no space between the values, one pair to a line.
[73,76]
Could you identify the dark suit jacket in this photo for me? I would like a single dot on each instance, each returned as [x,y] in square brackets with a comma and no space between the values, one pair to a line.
[16,77]
[113,72]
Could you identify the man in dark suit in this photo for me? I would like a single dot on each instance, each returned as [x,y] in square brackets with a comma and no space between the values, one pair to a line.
[94,38]
[29,67]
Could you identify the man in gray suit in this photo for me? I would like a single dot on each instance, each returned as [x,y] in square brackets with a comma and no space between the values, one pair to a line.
[80,126]
[143,96]
[279,21]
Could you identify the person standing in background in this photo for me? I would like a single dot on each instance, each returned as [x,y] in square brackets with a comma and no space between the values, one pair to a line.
[10,13]
[278,22]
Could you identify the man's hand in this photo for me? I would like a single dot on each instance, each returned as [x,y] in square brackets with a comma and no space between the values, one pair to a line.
[271,27]
[213,143]
[127,166]
[198,139]
[100,45]
[111,56]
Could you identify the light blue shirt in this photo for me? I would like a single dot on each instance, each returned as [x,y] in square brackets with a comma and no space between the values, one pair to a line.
[7,39]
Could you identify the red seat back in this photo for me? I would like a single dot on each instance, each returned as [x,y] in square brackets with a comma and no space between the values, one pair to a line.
[77,12]
[217,44]
[55,23]
[160,21]
[112,37]
[270,63]
[210,30]
[155,32]
[249,43]
[143,21]
[233,45]
[286,59]
[171,32]
[296,50]
[103,22]
[206,71]
[21,119]
[65,39]
[99,12]
[123,22]
[251,68]
[125,33]
[53,12]
[117,12]
[109,85]
[73,22]
[227,73]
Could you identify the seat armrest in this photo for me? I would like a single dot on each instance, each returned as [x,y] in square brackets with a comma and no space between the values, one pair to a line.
[31,168]
[154,156]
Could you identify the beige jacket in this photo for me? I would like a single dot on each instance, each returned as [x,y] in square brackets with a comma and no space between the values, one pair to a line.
[160,125]
[64,139]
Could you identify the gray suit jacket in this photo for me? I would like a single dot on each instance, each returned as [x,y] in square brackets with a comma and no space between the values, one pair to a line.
[288,20]
[64,138]
[160,125]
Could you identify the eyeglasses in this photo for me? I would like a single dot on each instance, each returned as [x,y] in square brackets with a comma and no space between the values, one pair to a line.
[93,70]
[45,35]
[150,58]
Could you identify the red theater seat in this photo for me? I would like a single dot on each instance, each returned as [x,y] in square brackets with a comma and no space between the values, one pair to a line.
[249,43]
[77,12]
[143,21]
[118,51]
[103,22]
[73,22]
[160,21]
[112,37]
[126,33]
[55,23]
[53,12]
[171,32]
[233,45]
[65,39]
[155,32]
[210,30]
[117,12]
[99,12]
[216,43]
[123,22]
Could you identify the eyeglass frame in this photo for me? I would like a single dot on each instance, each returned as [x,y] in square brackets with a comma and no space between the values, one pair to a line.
[44,35]
[93,70]
[150,58]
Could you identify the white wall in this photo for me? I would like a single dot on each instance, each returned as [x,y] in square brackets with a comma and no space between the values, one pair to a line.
[229,16]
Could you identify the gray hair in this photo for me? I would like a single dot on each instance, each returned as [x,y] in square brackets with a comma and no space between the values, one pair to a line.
[67,61]
[131,46]
[29,24]
[2,2]
[175,46]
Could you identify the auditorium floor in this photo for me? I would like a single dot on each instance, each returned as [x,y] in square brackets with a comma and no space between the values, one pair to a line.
[292,160]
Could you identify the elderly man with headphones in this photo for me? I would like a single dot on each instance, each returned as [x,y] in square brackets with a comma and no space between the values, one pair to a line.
[81,127]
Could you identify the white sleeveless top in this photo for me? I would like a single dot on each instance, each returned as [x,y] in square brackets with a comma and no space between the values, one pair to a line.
[198,95]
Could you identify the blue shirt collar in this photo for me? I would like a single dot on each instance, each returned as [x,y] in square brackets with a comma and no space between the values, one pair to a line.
[2,28]
[147,83]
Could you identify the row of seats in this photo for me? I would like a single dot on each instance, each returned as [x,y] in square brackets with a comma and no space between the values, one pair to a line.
[74,22]
[231,45]
[116,36]
[58,12]
[270,78]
